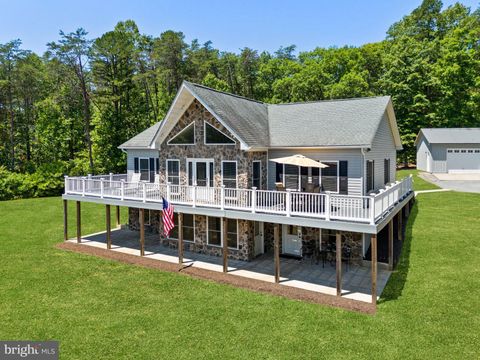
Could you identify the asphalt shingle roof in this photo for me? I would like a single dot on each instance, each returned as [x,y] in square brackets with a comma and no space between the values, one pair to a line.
[351,122]
[452,135]
[348,122]
[142,140]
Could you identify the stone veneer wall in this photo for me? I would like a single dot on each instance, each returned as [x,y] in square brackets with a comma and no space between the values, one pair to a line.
[310,239]
[198,114]
[244,252]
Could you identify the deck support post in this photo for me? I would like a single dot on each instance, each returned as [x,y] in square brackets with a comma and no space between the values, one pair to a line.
[180,238]
[373,245]
[79,223]
[108,226]
[225,245]
[65,220]
[117,217]
[142,231]
[276,250]
[400,225]
[338,253]
[390,245]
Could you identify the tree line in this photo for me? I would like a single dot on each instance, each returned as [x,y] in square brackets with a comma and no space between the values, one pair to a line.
[66,111]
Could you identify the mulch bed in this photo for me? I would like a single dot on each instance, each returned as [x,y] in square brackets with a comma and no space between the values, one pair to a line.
[238,281]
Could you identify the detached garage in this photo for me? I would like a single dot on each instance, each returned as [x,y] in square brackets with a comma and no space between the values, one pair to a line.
[443,150]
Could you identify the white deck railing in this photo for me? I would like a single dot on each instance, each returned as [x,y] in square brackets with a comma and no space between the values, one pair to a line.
[328,206]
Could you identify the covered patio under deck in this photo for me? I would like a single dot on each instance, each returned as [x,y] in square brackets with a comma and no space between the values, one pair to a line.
[302,274]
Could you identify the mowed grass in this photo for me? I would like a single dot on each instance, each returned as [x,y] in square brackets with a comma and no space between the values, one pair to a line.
[104,309]
[418,182]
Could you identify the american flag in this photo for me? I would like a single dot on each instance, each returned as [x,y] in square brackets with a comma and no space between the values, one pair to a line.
[167,217]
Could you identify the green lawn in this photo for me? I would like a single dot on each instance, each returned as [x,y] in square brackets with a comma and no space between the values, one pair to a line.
[418,182]
[103,309]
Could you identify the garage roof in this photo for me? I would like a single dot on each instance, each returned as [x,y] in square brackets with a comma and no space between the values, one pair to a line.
[450,135]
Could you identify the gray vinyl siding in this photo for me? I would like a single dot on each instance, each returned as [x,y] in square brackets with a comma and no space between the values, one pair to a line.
[422,149]
[353,156]
[383,147]
[131,154]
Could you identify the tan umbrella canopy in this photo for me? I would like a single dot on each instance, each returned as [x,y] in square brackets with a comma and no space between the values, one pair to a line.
[299,160]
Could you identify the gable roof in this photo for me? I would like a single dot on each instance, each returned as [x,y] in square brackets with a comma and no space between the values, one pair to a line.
[450,135]
[350,122]
[245,118]
[143,140]
[258,125]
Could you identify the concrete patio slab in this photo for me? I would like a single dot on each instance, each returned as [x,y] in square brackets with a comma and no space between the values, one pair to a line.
[356,280]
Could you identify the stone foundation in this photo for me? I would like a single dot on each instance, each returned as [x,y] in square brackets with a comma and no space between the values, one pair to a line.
[246,248]
[311,241]
[244,252]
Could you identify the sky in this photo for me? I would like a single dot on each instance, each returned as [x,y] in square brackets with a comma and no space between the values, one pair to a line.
[230,25]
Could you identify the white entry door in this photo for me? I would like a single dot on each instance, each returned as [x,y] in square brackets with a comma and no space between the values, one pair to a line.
[258,237]
[292,240]
[200,172]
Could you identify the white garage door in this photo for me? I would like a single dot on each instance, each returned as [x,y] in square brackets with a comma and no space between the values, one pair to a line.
[463,160]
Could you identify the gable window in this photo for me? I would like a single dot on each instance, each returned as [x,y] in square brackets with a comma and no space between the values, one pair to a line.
[213,136]
[229,174]
[386,170]
[330,176]
[185,136]
[215,232]
[257,174]
[188,227]
[173,172]
[370,183]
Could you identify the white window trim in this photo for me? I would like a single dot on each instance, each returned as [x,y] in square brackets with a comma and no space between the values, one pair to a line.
[236,172]
[166,168]
[194,175]
[260,172]
[189,241]
[205,135]
[221,234]
[185,128]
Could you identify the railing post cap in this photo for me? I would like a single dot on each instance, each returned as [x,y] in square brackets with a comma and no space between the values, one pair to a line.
[122,180]
[254,188]
[102,179]
[65,176]
[223,186]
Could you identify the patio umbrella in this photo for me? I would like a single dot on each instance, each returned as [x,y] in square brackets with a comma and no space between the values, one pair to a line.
[299,160]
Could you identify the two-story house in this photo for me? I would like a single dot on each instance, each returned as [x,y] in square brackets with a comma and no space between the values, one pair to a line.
[211,158]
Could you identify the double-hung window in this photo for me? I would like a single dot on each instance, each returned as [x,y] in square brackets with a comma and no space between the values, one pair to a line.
[330,176]
[257,174]
[215,232]
[188,227]
[229,174]
[386,170]
[370,183]
[173,172]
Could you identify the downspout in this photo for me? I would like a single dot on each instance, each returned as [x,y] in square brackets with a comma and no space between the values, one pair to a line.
[363,170]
